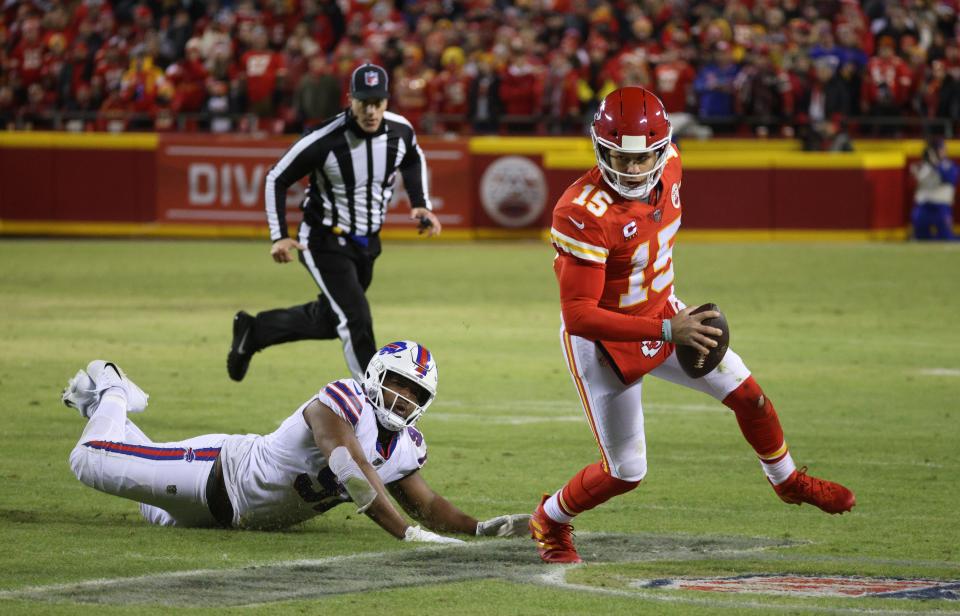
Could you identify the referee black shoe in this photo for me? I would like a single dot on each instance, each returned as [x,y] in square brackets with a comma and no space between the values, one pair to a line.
[241,349]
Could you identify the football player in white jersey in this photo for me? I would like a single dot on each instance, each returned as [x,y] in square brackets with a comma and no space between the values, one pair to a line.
[352,441]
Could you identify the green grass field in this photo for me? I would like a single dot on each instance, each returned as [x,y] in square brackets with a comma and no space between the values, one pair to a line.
[857,344]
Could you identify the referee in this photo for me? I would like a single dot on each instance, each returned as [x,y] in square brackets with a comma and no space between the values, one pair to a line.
[352,162]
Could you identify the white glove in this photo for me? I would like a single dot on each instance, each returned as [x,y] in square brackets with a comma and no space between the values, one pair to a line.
[513,525]
[415,533]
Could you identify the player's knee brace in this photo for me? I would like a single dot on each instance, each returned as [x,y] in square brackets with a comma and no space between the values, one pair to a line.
[632,471]
[748,399]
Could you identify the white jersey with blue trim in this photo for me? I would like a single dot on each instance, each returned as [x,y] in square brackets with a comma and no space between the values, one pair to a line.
[282,478]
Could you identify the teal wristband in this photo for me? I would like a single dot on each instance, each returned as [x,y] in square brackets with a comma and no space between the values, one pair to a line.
[666,331]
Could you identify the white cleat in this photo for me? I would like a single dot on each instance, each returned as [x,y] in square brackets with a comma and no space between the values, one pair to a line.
[81,394]
[107,374]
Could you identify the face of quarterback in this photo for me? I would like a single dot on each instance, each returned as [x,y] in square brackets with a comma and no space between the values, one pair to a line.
[369,113]
[401,395]
[633,163]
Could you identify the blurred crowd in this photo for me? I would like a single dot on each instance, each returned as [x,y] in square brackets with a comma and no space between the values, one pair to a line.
[820,67]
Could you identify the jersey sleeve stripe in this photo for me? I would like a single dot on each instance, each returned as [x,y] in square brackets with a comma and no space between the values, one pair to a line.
[342,405]
[349,396]
[581,250]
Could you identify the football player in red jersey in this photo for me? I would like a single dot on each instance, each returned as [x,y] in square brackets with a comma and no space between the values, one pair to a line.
[614,231]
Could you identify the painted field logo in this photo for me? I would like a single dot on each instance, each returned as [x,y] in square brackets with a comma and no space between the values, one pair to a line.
[813,586]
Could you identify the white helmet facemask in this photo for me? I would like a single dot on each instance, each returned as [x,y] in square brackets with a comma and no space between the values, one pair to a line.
[631,185]
[389,415]
[406,362]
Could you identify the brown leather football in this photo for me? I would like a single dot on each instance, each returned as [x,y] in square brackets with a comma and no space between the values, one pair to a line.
[697,364]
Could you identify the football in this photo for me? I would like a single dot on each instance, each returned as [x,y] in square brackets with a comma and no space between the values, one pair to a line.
[697,364]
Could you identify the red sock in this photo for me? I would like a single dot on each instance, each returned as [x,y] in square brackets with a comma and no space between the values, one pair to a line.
[758,420]
[591,487]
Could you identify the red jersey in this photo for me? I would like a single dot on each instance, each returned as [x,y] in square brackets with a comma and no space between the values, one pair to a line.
[891,74]
[674,81]
[615,267]
[261,69]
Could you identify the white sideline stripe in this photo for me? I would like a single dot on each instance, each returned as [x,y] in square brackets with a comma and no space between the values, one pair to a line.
[569,415]
[571,403]
[939,371]
[556,578]
[511,420]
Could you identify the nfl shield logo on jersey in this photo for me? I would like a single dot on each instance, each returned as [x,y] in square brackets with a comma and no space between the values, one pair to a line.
[371,78]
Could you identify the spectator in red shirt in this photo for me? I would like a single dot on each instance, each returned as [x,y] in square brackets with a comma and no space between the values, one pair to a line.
[560,96]
[410,81]
[521,89]
[449,92]
[261,70]
[188,78]
[886,85]
[673,83]
[27,57]
[110,63]
[326,22]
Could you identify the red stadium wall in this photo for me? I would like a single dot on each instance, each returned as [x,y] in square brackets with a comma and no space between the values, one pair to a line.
[100,180]
[203,185]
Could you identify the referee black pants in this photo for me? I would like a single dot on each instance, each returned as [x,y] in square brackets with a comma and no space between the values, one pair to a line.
[343,269]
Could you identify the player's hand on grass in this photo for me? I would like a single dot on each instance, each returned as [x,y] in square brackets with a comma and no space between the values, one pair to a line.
[281,249]
[513,525]
[689,329]
[420,535]
[429,223]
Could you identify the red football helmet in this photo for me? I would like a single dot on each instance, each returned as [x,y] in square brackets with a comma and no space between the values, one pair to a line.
[631,120]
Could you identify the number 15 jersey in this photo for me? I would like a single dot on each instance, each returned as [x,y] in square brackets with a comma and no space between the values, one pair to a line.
[615,255]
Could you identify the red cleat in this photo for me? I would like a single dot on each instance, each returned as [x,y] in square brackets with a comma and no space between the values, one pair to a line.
[554,540]
[827,495]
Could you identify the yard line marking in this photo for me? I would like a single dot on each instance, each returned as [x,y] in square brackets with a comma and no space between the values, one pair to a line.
[570,403]
[513,420]
[939,371]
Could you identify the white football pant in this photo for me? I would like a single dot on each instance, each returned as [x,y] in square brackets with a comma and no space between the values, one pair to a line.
[168,479]
[615,410]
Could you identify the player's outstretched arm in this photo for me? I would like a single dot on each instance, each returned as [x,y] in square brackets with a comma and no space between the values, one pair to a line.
[437,513]
[336,439]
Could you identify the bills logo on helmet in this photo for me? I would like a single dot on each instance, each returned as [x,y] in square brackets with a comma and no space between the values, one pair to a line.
[371,78]
[393,347]
[423,361]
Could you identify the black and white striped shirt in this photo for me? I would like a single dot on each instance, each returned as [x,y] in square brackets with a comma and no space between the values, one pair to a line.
[352,175]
